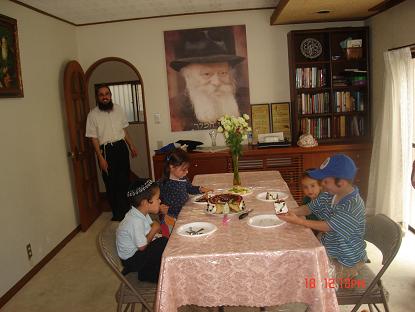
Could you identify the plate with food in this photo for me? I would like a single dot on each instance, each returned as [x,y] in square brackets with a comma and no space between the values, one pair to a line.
[280,206]
[240,190]
[196,229]
[265,221]
[200,199]
[271,196]
[225,204]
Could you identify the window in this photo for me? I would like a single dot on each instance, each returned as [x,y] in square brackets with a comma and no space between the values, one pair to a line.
[130,96]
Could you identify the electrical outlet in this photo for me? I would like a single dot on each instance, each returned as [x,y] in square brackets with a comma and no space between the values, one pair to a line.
[29,251]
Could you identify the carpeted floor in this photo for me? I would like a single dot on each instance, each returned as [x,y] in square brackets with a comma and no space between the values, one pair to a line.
[78,279]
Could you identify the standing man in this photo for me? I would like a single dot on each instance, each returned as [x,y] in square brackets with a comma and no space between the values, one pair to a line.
[106,126]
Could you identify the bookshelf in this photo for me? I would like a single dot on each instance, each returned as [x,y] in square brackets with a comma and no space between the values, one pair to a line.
[329,84]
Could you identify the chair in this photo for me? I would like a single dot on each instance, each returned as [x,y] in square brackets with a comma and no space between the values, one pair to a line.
[386,235]
[131,290]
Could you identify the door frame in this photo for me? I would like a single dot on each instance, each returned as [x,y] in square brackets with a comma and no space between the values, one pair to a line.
[88,74]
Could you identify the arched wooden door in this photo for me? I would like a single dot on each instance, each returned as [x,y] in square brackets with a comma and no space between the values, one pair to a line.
[82,153]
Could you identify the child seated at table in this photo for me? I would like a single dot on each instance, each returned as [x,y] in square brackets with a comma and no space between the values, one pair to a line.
[311,190]
[136,246]
[175,187]
[342,216]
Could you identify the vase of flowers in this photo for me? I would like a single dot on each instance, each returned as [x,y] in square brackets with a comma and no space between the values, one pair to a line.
[235,130]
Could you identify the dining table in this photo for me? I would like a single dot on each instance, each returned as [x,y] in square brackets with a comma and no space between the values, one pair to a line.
[243,265]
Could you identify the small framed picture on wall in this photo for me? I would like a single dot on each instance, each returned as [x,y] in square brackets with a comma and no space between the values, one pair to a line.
[281,119]
[10,76]
[260,119]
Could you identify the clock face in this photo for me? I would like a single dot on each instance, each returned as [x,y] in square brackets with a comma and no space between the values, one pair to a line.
[311,48]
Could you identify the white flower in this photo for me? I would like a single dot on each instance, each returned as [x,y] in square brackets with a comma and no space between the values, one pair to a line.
[244,137]
[246,117]
[220,129]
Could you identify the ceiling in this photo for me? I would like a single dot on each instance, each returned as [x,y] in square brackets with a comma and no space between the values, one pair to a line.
[85,12]
[306,11]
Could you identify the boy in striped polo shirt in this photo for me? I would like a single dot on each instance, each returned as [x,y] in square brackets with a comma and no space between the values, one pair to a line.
[342,213]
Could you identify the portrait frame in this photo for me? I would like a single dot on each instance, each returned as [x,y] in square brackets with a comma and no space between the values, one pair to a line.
[260,120]
[281,119]
[11,84]
[206,47]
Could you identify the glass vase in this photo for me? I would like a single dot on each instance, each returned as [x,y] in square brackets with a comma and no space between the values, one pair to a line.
[235,165]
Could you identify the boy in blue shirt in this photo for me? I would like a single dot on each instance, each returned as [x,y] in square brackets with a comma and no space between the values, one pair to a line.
[137,246]
[341,211]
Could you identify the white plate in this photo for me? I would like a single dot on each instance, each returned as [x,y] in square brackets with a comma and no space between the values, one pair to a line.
[265,221]
[281,195]
[249,191]
[187,229]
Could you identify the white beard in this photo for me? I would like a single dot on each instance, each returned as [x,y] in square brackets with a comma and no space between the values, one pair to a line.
[210,107]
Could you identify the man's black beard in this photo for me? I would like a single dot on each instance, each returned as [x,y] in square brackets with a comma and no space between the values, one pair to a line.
[105,107]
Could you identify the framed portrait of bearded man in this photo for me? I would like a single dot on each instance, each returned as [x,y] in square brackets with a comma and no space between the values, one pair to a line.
[207,75]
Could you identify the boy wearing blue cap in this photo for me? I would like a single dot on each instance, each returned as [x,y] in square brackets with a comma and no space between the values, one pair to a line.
[342,213]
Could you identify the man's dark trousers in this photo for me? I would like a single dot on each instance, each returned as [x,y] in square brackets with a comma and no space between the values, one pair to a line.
[117,179]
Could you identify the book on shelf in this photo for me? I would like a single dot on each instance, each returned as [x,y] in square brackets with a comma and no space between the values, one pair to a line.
[310,77]
[318,127]
[349,126]
[318,103]
[348,101]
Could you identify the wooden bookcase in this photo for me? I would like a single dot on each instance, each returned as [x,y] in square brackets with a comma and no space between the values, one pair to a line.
[330,87]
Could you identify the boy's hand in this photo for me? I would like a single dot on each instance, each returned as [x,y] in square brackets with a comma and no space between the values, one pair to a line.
[290,217]
[156,227]
[205,189]
[164,208]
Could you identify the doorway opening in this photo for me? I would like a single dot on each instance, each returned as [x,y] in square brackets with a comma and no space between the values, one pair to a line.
[122,76]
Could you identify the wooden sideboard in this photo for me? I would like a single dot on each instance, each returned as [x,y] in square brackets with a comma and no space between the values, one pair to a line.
[289,161]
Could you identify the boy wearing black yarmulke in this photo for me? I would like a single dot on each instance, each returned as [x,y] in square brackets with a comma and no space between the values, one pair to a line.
[137,247]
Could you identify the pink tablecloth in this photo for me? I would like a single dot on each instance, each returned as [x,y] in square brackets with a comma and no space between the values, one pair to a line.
[239,265]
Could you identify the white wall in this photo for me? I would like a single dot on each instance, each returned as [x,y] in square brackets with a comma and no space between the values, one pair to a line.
[390,29]
[36,195]
[141,43]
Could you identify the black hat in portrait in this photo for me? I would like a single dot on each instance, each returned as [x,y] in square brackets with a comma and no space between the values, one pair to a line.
[214,45]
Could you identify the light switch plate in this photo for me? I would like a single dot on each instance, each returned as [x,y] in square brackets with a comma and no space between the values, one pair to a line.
[157,118]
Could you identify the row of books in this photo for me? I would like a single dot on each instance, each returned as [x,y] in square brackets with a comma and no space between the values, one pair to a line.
[347,126]
[350,77]
[343,126]
[318,127]
[345,101]
[313,103]
[310,77]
